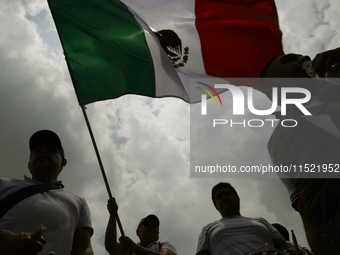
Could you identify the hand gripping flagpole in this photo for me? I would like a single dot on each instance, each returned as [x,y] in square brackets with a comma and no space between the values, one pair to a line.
[101,165]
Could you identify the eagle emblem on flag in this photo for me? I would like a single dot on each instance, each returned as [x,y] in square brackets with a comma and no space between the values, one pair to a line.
[172,45]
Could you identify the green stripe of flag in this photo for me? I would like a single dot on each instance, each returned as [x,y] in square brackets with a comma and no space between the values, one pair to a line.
[105,49]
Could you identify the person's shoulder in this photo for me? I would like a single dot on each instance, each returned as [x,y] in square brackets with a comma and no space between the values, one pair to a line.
[212,224]
[5,179]
[74,196]
[11,181]
[259,219]
[11,185]
[167,245]
[71,196]
[71,199]
[256,218]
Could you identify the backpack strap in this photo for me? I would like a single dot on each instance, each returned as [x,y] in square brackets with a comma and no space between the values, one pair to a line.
[7,203]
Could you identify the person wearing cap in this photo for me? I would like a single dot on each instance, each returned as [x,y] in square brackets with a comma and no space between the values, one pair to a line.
[284,232]
[234,233]
[147,231]
[65,216]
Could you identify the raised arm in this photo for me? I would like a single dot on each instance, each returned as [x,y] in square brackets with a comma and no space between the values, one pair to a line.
[111,244]
[325,61]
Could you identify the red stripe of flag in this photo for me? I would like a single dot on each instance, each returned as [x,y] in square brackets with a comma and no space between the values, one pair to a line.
[238,37]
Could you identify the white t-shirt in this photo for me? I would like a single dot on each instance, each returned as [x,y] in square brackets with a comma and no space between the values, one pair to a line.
[154,246]
[237,235]
[61,212]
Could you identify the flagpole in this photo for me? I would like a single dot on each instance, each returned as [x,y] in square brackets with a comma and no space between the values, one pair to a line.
[101,165]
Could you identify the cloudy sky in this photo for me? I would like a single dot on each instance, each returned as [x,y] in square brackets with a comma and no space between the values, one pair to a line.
[144,143]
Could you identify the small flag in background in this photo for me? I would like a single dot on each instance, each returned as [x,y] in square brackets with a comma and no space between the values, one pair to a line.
[154,47]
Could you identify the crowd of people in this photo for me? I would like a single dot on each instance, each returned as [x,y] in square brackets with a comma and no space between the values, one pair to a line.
[41,198]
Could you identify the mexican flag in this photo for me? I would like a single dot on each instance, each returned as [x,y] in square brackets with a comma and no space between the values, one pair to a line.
[154,47]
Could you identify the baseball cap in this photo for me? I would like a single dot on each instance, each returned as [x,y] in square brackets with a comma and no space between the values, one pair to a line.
[46,136]
[150,218]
